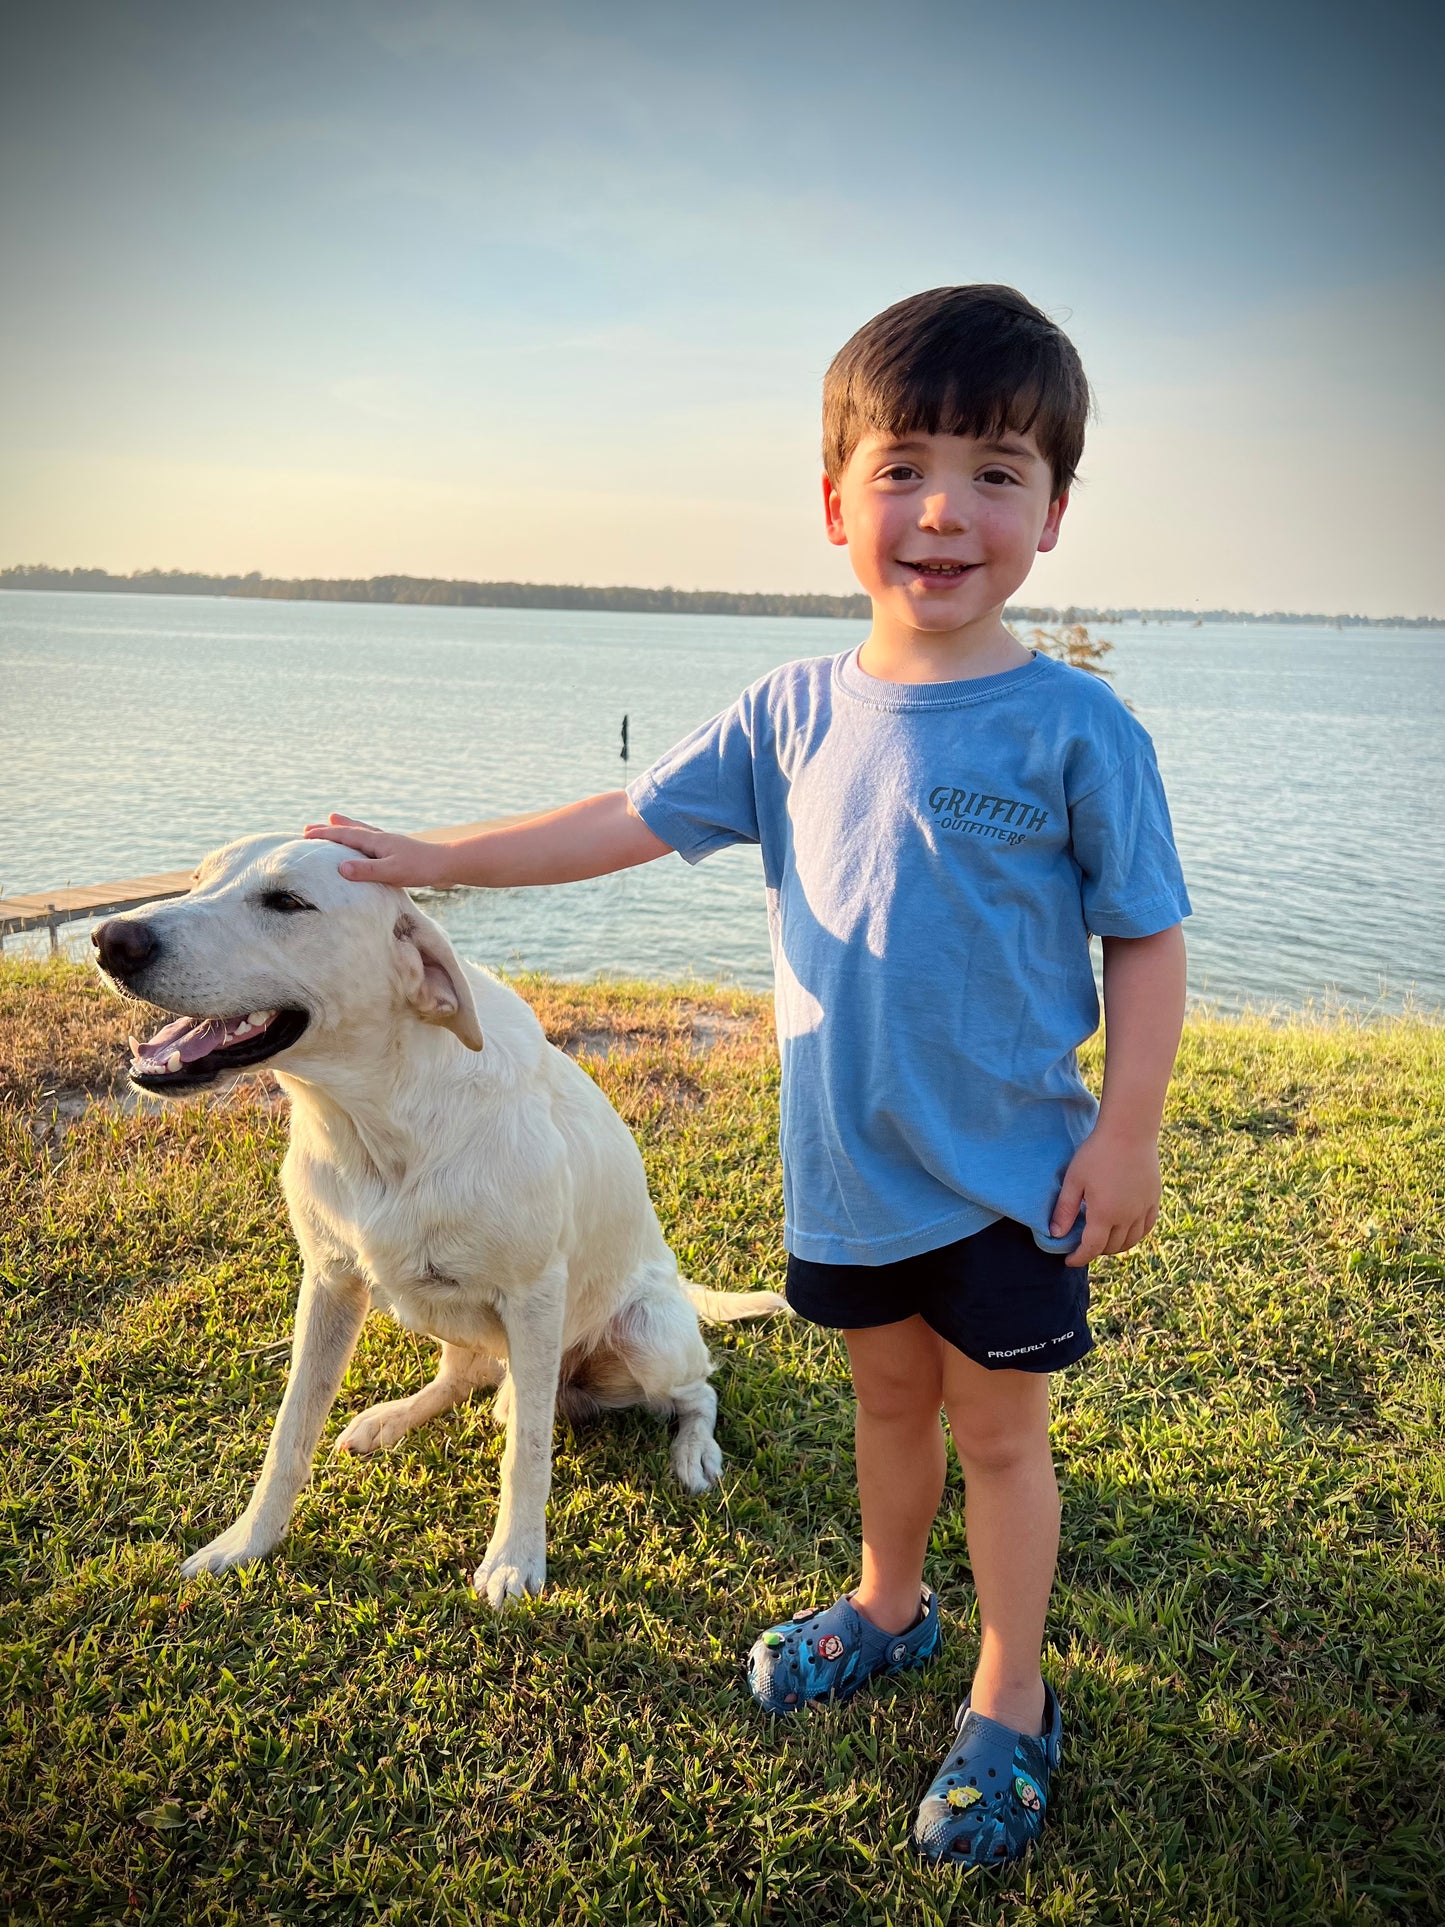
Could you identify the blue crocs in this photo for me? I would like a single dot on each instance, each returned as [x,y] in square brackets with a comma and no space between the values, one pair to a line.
[830,1654]
[986,1804]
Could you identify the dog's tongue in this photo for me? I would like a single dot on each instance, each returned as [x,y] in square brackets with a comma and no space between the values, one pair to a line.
[191,1037]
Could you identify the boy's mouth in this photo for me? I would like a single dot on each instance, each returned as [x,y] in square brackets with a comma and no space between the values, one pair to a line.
[941,571]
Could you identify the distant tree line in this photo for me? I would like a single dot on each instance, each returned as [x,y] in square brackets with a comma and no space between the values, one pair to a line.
[575,595]
[436,592]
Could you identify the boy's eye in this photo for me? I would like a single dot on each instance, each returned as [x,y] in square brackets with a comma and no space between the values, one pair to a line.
[898,472]
[997,475]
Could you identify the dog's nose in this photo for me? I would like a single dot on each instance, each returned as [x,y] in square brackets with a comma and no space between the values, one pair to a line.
[124,946]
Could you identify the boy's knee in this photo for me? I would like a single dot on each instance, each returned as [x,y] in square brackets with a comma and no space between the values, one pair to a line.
[897,1371]
[992,1442]
[889,1397]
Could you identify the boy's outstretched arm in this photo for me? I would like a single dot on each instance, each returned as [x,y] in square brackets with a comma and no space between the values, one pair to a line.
[1115,1171]
[586,839]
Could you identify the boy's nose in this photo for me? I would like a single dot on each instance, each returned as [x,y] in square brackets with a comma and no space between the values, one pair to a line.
[942,513]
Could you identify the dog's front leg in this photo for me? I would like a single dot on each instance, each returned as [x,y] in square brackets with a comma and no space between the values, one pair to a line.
[516,1559]
[329,1315]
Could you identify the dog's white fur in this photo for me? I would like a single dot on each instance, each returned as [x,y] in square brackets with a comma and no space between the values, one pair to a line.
[488,1197]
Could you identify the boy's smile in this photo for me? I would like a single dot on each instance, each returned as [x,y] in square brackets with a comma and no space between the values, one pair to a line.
[941,531]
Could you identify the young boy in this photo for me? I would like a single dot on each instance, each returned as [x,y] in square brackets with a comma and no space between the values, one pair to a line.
[944,818]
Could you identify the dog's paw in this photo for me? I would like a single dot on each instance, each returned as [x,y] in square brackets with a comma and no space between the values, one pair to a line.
[510,1572]
[239,1545]
[696,1461]
[377,1428]
[502,1403]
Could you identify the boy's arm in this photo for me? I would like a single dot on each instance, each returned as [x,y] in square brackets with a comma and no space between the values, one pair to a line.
[1115,1171]
[586,839]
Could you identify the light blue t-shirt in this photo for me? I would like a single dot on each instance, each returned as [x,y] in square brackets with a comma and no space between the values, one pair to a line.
[935,855]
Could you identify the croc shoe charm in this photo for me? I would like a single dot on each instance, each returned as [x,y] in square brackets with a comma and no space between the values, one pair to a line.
[830,1654]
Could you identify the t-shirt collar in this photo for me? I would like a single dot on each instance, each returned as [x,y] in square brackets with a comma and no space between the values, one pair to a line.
[855,681]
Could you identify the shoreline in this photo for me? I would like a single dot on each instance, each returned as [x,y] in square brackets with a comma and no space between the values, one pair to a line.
[622,599]
[30,949]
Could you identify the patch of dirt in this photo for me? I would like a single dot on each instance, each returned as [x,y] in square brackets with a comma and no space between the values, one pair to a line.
[684,1093]
[70,1101]
[53,1114]
[706,1029]
[606,1043]
[711,1027]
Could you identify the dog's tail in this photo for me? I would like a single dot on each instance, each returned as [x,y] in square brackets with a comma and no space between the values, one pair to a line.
[726,1307]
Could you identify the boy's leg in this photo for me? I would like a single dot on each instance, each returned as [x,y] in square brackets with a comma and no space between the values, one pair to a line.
[1000,1426]
[888,1625]
[898,1379]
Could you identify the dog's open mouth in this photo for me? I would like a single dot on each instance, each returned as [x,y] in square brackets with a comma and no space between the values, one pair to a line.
[194,1051]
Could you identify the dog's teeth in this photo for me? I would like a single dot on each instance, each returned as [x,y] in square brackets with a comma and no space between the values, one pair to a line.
[173,1062]
[258,1017]
[241,1028]
[134,1043]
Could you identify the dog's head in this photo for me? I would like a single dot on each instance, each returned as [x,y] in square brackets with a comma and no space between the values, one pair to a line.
[273,953]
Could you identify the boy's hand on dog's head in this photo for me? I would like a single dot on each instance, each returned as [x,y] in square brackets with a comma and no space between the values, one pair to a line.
[402,861]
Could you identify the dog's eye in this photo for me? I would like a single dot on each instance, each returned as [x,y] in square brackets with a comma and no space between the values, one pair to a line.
[286,901]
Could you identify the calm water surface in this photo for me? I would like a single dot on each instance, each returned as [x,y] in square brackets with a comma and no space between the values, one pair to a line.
[1304,767]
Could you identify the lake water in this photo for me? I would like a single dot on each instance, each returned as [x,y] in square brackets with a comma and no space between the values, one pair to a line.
[1304,767]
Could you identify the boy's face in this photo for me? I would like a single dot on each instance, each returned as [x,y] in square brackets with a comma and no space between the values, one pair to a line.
[942,529]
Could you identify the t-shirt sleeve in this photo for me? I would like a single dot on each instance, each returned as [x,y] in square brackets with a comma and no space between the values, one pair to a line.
[700,796]
[1123,842]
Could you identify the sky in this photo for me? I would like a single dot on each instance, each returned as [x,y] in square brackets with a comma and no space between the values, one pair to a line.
[547,292]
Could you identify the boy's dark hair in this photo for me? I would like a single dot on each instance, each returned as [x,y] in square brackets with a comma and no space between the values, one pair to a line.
[958,361]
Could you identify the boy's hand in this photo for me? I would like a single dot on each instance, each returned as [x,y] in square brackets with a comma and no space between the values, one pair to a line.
[587,839]
[403,861]
[1116,1179]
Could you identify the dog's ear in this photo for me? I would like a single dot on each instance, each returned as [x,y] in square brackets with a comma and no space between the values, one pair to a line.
[435,984]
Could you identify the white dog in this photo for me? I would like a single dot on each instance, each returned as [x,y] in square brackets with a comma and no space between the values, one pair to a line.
[491,1198]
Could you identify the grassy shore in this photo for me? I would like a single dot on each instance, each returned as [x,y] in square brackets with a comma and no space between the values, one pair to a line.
[1247,1633]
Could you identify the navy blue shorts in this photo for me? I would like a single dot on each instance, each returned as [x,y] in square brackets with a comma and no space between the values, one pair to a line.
[1004,1303]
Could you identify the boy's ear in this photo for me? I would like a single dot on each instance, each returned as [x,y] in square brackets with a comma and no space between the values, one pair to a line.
[833,514]
[1049,534]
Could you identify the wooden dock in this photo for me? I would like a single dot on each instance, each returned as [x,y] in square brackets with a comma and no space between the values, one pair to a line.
[52,909]
[49,909]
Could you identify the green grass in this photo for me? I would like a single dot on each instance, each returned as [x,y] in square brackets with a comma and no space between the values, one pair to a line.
[1247,1631]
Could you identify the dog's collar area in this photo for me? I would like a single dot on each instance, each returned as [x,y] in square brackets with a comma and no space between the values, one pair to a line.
[193,1051]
